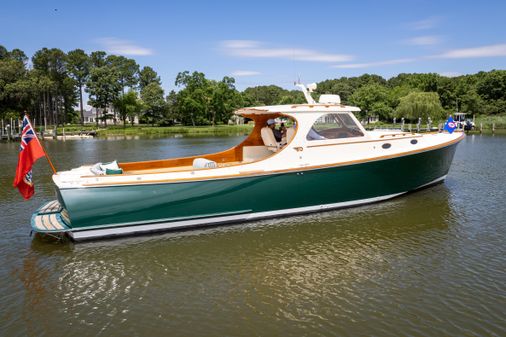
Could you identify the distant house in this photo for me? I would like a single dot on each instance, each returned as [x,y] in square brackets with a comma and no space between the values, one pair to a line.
[90,117]
[235,119]
[372,119]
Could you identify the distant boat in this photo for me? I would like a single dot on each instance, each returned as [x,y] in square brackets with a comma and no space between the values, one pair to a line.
[462,122]
[323,159]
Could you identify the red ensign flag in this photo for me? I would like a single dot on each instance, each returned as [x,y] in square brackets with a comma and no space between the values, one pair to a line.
[29,151]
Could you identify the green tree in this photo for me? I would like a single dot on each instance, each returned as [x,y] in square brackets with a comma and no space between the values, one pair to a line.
[79,69]
[337,87]
[98,58]
[396,93]
[225,99]
[127,70]
[152,96]
[21,94]
[128,105]
[43,85]
[103,87]
[470,102]
[146,76]
[59,99]
[492,85]
[346,86]
[423,82]
[12,70]
[447,93]
[373,99]
[193,100]
[18,55]
[3,52]
[420,105]
[171,113]
[265,94]
[492,88]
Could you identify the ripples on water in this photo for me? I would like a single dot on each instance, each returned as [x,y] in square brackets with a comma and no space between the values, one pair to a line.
[429,263]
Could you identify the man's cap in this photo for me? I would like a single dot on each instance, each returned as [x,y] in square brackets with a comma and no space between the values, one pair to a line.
[271,121]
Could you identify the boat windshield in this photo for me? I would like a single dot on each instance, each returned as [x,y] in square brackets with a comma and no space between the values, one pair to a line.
[334,126]
[460,116]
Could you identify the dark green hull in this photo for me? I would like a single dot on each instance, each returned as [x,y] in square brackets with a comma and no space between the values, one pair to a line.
[126,205]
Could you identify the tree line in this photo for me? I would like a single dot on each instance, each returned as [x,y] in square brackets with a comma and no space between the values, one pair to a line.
[52,85]
[422,95]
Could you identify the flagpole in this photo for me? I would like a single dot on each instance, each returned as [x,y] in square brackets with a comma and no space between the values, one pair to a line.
[48,159]
[43,148]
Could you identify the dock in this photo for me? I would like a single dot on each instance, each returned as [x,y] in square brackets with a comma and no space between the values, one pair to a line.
[11,131]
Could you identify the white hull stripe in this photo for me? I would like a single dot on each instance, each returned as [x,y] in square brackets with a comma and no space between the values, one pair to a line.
[115,231]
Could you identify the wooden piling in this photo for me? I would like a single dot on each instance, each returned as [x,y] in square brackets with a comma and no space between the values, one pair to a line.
[493,128]
[481,127]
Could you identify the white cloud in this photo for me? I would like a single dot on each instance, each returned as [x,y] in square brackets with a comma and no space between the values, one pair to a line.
[374,64]
[242,73]
[424,24]
[484,51]
[495,50]
[254,49]
[123,47]
[238,44]
[427,40]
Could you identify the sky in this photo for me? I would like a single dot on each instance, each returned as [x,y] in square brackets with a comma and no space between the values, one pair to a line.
[270,42]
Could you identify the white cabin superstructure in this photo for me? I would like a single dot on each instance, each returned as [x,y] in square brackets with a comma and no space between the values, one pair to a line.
[299,153]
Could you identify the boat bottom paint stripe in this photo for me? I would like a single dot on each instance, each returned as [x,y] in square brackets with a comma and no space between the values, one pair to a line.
[119,231]
[433,182]
[167,220]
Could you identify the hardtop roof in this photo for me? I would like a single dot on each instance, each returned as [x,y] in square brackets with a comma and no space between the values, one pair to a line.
[296,108]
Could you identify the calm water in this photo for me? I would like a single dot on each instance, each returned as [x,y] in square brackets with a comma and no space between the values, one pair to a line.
[432,263]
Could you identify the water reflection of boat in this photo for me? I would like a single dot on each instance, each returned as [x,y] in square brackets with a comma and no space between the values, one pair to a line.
[325,159]
[353,256]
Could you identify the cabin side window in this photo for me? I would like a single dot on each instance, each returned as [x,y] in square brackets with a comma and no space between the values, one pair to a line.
[334,126]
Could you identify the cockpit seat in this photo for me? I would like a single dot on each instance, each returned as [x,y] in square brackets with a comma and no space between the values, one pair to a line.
[269,139]
[290,133]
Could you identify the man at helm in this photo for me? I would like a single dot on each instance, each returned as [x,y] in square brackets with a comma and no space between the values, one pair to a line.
[271,124]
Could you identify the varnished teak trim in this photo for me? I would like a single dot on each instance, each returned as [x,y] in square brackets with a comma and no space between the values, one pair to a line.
[365,141]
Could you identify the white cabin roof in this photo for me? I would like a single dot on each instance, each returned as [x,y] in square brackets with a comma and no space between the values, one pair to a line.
[297,108]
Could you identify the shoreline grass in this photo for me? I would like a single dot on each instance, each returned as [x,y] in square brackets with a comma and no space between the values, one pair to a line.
[484,123]
[487,121]
[118,130]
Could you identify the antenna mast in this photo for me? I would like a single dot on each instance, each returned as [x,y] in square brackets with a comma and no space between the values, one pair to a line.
[307,91]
